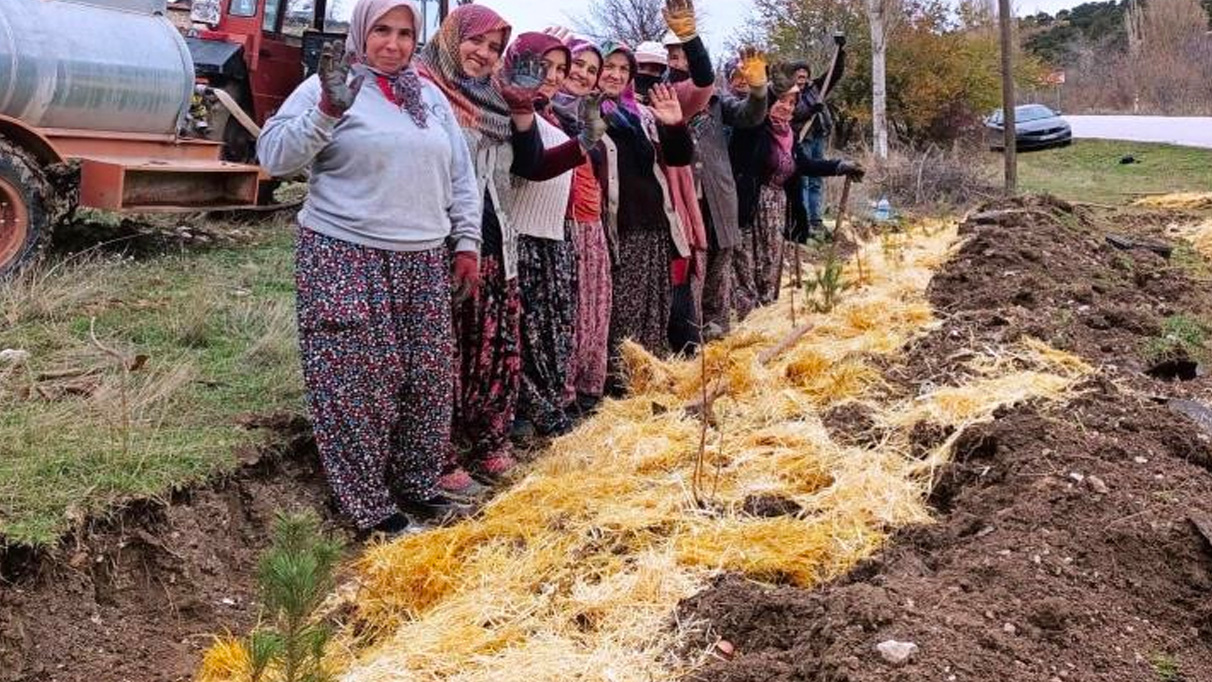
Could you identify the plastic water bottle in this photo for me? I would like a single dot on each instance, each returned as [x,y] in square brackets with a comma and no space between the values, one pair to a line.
[883,210]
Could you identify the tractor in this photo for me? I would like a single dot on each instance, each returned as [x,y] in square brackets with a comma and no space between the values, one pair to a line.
[107,104]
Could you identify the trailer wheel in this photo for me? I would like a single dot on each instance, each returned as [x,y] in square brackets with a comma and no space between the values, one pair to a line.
[26,198]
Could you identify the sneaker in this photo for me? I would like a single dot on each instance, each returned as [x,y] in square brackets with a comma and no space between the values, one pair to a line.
[712,332]
[460,485]
[396,526]
[492,470]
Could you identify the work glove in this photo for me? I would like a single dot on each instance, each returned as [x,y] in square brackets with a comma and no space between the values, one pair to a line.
[520,84]
[753,67]
[679,17]
[593,125]
[337,92]
[816,108]
[466,276]
[851,170]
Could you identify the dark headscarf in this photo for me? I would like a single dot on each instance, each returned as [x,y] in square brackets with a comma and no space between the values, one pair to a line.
[476,103]
[405,84]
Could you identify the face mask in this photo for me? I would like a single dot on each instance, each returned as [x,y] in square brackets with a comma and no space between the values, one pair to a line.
[644,83]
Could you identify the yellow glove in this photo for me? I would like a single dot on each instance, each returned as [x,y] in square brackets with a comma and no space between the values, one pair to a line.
[753,67]
[679,17]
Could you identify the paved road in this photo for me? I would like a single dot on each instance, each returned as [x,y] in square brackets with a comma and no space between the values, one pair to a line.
[1191,131]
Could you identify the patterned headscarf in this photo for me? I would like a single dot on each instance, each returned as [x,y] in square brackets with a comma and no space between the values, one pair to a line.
[626,102]
[567,104]
[405,84]
[535,44]
[476,103]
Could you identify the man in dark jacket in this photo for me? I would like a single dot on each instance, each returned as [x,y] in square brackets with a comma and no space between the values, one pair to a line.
[813,125]
[716,186]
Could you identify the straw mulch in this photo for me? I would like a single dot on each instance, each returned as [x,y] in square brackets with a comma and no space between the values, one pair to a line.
[574,573]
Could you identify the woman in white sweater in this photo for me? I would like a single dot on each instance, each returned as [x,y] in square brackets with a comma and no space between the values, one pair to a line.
[546,262]
[393,204]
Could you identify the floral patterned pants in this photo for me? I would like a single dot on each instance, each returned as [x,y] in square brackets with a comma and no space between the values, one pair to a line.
[376,346]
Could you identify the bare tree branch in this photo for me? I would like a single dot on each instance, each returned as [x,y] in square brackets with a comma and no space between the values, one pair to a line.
[633,21]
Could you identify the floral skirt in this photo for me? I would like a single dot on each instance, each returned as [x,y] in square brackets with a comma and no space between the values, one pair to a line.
[767,236]
[490,364]
[642,314]
[547,281]
[595,290]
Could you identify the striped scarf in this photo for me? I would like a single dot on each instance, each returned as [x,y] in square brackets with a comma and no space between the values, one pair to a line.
[476,103]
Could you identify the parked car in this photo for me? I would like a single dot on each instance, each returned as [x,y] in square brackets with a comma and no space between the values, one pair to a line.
[1037,127]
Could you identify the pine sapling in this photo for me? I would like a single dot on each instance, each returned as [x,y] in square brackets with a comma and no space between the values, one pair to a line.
[294,576]
[826,285]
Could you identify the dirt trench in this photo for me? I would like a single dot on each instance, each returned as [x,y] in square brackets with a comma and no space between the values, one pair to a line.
[1066,546]
[138,596]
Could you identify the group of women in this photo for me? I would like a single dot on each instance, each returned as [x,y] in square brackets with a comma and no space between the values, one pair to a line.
[486,222]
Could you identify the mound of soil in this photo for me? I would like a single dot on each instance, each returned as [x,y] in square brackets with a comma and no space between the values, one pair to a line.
[1068,542]
[138,596]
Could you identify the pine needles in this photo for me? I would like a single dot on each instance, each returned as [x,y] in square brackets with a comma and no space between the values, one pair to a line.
[294,576]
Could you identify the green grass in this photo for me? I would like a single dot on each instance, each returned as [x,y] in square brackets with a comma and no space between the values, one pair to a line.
[1182,336]
[217,328]
[1089,170]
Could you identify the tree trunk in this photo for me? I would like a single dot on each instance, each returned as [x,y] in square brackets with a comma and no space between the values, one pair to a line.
[879,92]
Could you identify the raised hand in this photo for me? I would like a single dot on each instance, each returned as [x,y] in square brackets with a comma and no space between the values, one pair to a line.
[559,33]
[337,92]
[591,118]
[519,85]
[781,80]
[679,17]
[665,105]
[753,66]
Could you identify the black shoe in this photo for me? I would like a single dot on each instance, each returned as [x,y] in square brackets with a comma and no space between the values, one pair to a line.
[396,526]
[523,429]
[438,509]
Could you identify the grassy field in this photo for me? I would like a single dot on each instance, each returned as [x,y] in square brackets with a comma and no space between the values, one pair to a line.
[139,369]
[1090,170]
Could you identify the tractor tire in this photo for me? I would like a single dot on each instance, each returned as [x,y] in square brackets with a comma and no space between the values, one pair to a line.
[27,208]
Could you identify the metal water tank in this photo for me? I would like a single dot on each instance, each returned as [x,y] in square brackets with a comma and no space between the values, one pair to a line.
[115,65]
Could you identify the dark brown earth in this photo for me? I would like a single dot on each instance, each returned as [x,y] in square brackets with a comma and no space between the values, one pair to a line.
[1065,547]
[138,596]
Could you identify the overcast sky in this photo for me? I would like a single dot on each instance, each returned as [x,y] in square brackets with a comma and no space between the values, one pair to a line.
[723,16]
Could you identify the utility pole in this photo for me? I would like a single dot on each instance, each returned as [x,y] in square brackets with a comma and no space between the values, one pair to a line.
[1008,99]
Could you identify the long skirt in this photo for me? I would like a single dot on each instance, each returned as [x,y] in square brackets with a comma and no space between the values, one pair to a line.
[490,367]
[768,243]
[642,312]
[594,299]
[547,281]
[685,327]
[376,346]
[744,289]
[717,289]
